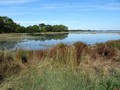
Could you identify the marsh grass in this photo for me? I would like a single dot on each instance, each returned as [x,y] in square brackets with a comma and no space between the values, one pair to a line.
[63,67]
[113,44]
[62,78]
[105,51]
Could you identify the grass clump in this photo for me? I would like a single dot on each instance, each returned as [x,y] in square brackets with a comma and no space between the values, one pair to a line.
[63,78]
[105,51]
[79,47]
[63,67]
[8,65]
[112,44]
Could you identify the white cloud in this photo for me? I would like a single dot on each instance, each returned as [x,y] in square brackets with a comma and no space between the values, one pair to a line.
[14,10]
[52,22]
[13,13]
[21,10]
[111,6]
[9,2]
[26,23]
[82,6]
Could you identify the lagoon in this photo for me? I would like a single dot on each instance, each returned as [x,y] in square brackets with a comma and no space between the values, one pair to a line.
[44,41]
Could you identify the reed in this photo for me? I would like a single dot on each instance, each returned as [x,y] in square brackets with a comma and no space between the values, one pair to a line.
[63,67]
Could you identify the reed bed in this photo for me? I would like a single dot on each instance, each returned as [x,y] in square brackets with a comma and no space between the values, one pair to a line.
[62,67]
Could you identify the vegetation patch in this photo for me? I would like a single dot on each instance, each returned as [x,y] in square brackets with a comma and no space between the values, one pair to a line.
[7,25]
[62,67]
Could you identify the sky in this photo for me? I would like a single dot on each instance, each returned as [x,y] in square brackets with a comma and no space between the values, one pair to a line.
[76,14]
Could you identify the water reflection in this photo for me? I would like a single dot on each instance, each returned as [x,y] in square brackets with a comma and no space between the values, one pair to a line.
[6,45]
[40,41]
[44,37]
[37,41]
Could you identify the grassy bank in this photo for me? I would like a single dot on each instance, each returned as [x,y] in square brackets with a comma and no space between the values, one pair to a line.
[63,67]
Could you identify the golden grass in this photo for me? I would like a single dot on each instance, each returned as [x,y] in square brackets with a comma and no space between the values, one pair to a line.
[94,62]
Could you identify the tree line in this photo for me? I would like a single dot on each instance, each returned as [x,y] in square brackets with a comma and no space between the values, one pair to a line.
[7,25]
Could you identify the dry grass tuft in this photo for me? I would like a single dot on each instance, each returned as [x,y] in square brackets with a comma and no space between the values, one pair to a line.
[79,47]
[101,59]
[105,51]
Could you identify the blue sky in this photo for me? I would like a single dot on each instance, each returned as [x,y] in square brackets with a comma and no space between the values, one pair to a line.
[76,14]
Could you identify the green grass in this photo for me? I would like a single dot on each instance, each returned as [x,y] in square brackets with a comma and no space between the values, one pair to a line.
[63,67]
[63,79]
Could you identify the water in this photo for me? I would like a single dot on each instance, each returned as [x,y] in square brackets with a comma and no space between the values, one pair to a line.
[37,42]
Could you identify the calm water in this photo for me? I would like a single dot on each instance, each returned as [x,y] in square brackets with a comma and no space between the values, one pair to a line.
[46,41]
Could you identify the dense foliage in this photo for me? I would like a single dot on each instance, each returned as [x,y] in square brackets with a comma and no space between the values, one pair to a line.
[7,25]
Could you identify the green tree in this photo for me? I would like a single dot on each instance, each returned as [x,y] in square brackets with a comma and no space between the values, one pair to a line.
[29,29]
[42,27]
[49,28]
[20,29]
[7,25]
[32,29]
[60,28]
[36,28]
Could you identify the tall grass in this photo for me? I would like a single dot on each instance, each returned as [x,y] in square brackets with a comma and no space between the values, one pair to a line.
[113,44]
[62,78]
[63,67]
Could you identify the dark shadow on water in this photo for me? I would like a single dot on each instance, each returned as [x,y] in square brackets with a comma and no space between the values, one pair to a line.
[17,44]
[44,37]
[5,45]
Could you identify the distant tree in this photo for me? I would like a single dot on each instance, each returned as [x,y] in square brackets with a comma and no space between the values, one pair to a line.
[1,20]
[60,28]
[21,29]
[29,29]
[42,25]
[1,25]
[32,29]
[7,25]
[49,28]
[36,28]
